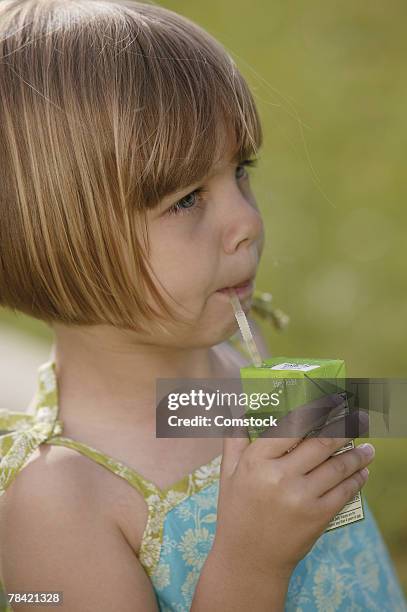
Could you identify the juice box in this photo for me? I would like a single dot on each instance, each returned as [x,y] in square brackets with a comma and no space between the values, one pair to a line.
[295,382]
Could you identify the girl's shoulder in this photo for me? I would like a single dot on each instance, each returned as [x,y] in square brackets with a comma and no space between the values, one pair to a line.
[50,472]
[43,496]
[60,481]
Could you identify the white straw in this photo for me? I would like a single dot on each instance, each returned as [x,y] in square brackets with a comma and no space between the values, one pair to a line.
[245,329]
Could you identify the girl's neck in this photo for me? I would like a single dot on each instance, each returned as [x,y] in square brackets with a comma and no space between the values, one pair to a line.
[117,384]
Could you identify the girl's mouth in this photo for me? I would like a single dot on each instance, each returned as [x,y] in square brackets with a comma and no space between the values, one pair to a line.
[242,290]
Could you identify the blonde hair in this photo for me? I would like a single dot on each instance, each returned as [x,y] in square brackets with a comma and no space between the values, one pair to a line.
[105,107]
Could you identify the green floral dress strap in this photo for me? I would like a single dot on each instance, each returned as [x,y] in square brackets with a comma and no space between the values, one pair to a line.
[28,431]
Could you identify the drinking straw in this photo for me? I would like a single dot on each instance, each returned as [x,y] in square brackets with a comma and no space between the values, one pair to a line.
[245,329]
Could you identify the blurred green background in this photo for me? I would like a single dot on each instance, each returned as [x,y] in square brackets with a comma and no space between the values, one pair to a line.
[329,81]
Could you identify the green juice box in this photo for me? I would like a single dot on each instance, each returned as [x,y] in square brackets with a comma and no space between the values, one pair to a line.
[294,382]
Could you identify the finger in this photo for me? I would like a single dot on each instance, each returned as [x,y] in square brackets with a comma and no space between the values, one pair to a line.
[334,500]
[334,470]
[315,450]
[293,426]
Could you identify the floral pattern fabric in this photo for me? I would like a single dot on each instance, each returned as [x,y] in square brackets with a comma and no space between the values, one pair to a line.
[348,569]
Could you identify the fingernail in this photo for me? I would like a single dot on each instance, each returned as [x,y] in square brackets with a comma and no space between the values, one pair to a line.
[365,472]
[368,449]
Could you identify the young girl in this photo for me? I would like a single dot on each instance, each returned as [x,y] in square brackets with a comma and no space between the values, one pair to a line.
[126,133]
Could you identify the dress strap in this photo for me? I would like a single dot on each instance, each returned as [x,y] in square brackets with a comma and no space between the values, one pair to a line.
[22,433]
[28,431]
[145,487]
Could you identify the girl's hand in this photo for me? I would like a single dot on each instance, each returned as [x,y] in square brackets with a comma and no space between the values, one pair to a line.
[273,504]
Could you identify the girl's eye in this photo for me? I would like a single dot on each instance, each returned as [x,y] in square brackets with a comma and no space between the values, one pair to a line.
[189,201]
[193,201]
[247,163]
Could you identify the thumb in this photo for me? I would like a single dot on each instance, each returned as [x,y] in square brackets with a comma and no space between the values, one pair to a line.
[234,446]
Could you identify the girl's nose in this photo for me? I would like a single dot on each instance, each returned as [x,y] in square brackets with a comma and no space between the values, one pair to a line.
[244,223]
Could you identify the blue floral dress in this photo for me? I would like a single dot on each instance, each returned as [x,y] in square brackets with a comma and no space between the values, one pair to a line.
[347,570]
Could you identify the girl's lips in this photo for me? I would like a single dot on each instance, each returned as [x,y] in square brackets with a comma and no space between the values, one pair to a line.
[241,290]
